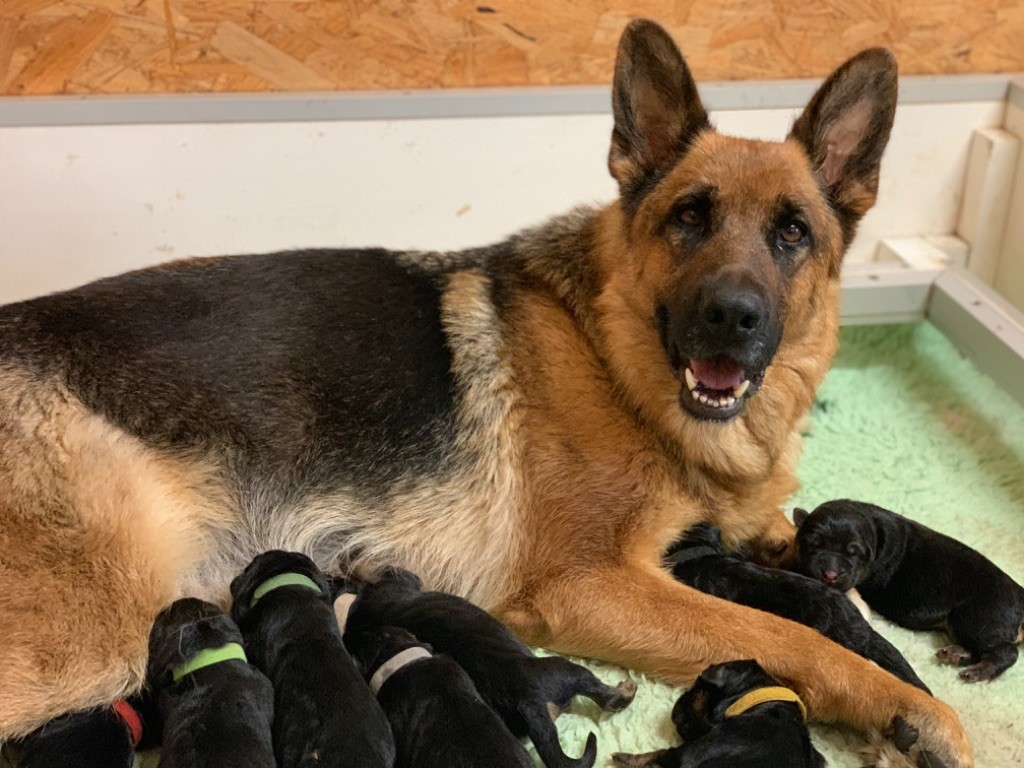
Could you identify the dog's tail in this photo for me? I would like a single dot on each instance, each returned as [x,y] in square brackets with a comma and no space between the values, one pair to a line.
[885,655]
[544,735]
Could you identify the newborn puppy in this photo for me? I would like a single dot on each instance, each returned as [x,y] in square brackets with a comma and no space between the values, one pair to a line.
[700,560]
[437,717]
[526,691]
[216,709]
[919,579]
[325,714]
[95,738]
[735,715]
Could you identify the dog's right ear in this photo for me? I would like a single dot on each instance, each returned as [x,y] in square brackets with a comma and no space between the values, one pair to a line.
[799,516]
[656,106]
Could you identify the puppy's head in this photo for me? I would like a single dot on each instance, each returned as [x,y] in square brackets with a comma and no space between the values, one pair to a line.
[697,541]
[372,647]
[183,629]
[265,567]
[715,690]
[836,544]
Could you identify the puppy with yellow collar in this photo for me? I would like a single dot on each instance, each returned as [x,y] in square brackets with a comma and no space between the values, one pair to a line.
[737,715]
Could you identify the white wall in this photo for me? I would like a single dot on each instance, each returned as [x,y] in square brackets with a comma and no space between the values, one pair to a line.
[78,203]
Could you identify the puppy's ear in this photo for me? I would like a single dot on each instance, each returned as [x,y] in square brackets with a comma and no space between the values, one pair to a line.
[799,516]
[844,131]
[395,575]
[656,106]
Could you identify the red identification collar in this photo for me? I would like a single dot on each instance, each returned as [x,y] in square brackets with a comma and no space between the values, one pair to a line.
[131,718]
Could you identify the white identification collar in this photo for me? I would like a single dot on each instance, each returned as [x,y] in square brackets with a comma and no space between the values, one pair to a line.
[342,606]
[395,663]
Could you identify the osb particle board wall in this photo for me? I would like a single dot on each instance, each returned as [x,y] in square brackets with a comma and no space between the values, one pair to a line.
[119,46]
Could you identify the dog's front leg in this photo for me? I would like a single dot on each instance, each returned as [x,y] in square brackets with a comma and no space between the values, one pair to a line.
[639,617]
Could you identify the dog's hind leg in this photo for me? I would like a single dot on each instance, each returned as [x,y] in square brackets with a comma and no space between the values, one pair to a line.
[638,616]
[544,735]
[565,680]
[95,531]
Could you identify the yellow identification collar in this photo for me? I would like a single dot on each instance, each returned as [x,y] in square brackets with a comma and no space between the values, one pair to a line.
[763,696]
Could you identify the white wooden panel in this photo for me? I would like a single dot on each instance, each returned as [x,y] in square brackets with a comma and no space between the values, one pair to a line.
[78,203]
[1009,279]
[991,165]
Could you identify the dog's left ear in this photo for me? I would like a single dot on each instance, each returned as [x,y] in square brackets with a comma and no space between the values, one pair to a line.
[656,106]
[844,131]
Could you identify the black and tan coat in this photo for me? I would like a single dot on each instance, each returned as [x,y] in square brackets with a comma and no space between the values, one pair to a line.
[511,423]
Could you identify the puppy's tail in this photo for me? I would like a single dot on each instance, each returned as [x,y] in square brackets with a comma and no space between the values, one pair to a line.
[545,739]
[885,655]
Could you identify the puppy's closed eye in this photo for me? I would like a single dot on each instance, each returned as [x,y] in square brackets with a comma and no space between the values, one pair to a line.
[854,549]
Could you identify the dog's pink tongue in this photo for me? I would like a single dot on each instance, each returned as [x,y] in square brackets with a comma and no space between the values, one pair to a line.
[718,373]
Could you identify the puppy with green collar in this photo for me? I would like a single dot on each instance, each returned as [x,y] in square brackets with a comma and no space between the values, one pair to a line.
[326,715]
[217,710]
[437,716]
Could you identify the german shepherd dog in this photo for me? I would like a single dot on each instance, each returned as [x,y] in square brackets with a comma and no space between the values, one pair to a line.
[527,425]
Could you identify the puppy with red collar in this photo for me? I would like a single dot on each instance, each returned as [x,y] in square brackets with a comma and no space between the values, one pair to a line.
[97,738]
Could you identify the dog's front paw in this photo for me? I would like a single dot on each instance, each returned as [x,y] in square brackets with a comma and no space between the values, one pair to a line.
[929,736]
[981,672]
[898,747]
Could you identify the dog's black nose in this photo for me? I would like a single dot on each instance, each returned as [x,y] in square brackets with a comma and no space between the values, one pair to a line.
[732,312]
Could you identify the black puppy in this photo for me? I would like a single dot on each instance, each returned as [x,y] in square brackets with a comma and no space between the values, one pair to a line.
[437,716]
[526,691]
[95,738]
[919,579]
[326,715]
[735,715]
[700,560]
[216,709]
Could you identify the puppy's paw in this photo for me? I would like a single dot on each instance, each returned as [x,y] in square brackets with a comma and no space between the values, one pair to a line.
[626,760]
[981,672]
[625,692]
[955,655]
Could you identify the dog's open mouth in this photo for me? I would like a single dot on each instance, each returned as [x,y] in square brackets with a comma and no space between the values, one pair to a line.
[715,388]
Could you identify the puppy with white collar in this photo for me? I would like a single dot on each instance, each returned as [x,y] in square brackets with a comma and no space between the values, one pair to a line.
[437,717]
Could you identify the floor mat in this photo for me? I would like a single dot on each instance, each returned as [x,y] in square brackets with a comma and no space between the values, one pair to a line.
[903,421]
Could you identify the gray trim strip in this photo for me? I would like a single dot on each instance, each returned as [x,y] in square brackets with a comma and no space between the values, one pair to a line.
[1016,91]
[427,104]
[982,325]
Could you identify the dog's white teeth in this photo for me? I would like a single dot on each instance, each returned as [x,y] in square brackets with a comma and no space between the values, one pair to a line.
[730,401]
[738,393]
[704,399]
[696,395]
[691,380]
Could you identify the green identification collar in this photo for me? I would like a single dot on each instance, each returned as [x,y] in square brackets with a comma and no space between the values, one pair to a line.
[283,580]
[207,658]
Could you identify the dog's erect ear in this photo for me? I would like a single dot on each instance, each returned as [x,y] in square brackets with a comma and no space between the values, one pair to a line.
[799,516]
[844,131]
[656,106]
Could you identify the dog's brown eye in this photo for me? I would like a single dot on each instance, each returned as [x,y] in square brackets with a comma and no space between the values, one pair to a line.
[690,217]
[793,232]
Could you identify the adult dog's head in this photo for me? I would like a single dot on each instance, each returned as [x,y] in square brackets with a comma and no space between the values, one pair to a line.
[730,249]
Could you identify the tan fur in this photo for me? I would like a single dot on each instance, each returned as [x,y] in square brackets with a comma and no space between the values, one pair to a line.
[96,534]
